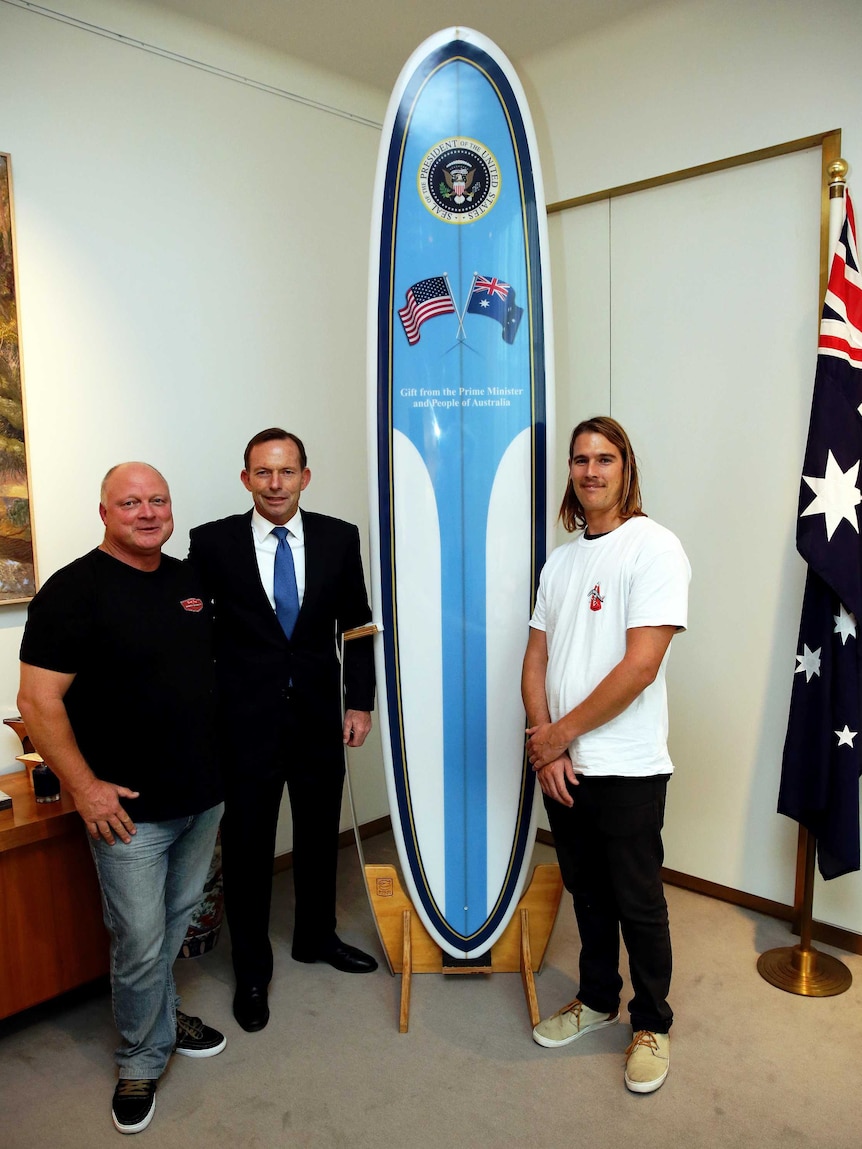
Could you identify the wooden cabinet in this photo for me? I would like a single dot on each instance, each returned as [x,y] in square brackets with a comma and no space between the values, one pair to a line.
[52,937]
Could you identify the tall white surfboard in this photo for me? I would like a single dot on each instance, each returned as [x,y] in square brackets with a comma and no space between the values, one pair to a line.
[460,427]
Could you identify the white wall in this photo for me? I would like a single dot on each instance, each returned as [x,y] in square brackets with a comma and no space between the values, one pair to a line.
[192,254]
[693,81]
[676,86]
[192,266]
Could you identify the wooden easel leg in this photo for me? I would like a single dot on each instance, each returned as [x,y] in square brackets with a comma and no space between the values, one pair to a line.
[527,979]
[406,974]
[410,949]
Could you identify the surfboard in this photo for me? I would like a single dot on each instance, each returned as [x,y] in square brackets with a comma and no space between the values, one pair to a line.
[459,427]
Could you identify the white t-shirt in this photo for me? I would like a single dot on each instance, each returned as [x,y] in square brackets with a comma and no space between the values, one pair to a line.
[591,592]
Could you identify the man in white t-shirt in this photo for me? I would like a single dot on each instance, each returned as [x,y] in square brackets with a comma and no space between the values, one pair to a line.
[593,683]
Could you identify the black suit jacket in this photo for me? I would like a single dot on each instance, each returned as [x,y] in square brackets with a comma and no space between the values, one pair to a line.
[255,662]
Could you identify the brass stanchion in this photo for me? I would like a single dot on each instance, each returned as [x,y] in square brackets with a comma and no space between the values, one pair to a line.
[803,969]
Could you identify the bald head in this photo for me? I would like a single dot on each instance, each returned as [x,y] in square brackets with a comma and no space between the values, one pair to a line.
[135,506]
[121,467]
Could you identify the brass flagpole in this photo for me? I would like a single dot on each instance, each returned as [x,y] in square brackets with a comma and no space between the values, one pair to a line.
[801,968]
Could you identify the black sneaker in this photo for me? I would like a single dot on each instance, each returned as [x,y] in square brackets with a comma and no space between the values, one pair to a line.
[194,1039]
[134,1104]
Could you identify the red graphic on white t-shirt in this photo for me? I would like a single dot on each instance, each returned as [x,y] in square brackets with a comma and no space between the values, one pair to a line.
[596,598]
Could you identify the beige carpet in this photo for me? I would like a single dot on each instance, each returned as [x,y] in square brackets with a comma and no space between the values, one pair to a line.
[750,1066]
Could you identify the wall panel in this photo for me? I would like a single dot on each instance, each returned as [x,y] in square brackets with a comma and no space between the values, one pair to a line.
[689,312]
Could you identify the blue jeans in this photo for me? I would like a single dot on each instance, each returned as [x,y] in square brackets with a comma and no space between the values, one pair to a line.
[150,889]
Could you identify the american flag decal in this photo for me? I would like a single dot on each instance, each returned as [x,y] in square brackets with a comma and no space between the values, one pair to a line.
[425,299]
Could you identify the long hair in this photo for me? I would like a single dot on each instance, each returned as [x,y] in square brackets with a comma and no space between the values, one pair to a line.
[571,512]
[273,434]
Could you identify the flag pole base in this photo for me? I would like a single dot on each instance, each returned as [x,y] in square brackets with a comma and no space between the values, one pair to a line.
[804,971]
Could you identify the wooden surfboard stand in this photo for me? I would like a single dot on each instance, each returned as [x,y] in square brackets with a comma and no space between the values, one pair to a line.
[410,949]
[408,945]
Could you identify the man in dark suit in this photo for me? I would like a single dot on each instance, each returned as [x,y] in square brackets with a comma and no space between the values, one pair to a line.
[285,583]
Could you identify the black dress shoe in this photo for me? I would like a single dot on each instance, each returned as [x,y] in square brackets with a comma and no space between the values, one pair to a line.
[341,956]
[250,1007]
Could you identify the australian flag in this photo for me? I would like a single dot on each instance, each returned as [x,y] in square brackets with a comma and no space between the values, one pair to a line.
[425,299]
[823,749]
[496,299]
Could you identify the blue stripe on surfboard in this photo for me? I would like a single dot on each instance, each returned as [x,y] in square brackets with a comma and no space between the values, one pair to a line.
[462,541]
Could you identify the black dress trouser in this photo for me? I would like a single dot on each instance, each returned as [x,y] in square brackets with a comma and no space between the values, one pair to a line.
[610,852]
[312,767]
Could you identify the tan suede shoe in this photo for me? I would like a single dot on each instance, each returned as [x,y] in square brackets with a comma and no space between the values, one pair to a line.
[571,1022]
[647,1061]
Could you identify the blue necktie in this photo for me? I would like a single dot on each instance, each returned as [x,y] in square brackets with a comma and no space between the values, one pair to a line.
[284,583]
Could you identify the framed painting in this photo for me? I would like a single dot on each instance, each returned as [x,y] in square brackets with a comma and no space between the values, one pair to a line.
[17,558]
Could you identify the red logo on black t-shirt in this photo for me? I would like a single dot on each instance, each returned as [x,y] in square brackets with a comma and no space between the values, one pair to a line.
[193,604]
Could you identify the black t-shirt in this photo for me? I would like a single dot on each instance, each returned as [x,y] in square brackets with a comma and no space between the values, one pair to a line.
[142,702]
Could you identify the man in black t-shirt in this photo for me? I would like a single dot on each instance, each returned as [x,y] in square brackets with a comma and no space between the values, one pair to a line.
[117,696]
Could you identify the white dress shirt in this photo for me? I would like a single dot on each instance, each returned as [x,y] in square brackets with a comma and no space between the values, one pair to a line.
[265,545]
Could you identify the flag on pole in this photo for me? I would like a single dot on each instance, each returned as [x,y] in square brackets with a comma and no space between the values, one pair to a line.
[823,749]
[496,299]
[425,299]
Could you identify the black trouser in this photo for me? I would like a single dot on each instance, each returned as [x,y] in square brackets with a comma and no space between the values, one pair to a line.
[610,852]
[312,766]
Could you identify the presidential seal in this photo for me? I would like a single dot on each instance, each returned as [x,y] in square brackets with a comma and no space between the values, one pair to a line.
[459,180]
